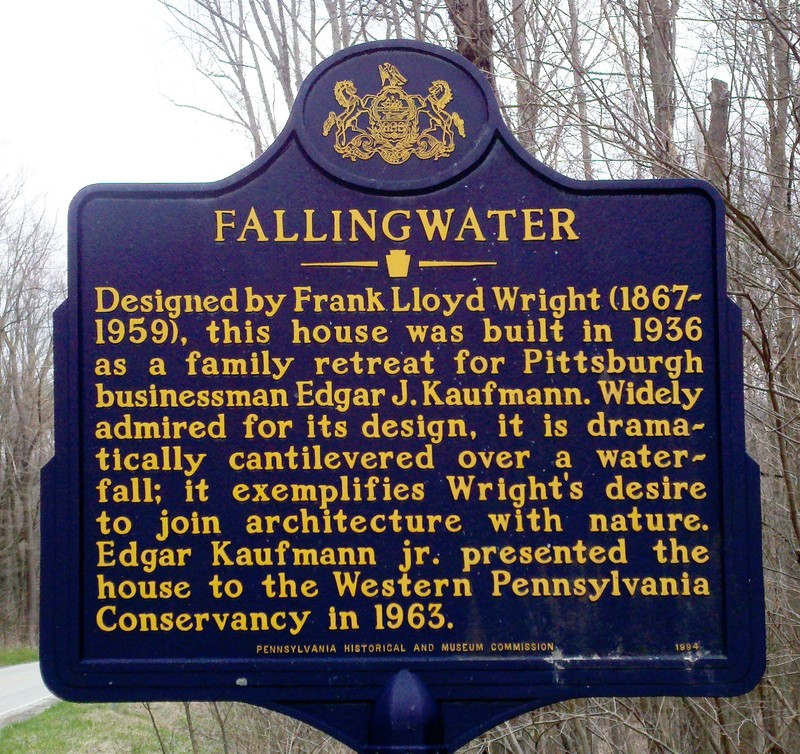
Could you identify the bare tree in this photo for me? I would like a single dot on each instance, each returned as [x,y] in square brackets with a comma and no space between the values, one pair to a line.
[256,53]
[28,293]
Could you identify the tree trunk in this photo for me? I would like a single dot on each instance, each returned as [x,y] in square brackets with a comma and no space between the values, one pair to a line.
[716,138]
[473,25]
[658,19]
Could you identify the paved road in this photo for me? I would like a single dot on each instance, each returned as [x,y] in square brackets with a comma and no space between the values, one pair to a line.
[22,692]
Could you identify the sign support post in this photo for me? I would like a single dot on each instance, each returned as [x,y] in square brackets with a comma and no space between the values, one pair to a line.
[405,718]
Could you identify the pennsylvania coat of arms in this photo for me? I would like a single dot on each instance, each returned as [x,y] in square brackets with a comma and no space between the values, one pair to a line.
[393,123]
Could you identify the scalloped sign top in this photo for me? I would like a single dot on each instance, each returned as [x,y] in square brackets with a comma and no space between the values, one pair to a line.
[396,117]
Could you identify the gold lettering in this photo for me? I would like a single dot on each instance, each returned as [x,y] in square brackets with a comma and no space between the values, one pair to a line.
[252,224]
[222,224]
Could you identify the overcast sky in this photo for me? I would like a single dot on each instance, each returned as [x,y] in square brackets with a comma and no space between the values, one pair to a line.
[86,99]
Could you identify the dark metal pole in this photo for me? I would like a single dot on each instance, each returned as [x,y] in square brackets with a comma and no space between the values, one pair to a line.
[406,719]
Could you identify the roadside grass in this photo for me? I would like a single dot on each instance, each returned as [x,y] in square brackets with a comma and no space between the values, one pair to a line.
[68,728]
[17,655]
[196,728]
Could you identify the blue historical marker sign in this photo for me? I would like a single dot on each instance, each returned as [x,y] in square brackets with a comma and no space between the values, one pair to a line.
[397,413]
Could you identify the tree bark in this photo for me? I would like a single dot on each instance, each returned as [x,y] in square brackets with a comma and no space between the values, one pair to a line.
[473,26]
[658,20]
[717,162]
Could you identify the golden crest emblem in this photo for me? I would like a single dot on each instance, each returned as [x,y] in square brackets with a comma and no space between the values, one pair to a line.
[393,123]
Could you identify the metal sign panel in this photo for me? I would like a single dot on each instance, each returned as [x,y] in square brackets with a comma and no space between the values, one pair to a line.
[398,412]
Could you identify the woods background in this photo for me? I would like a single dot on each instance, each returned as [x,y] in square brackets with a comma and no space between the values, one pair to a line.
[596,89]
